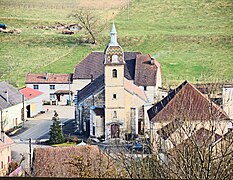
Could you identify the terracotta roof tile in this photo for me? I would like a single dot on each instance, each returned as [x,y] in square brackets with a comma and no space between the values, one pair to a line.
[186,102]
[145,72]
[40,78]
[30,93]
[63,92]
[201,137]
[56,161]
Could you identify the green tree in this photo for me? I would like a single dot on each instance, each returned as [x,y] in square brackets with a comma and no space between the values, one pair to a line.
[56,133]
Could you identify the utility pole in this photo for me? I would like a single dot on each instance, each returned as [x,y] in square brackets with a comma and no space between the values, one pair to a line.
[23,119]
[30,154]
[69,90]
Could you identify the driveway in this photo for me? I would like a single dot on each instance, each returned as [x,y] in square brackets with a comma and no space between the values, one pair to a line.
[37,128]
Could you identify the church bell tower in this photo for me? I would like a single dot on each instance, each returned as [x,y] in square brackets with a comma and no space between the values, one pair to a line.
[114,87]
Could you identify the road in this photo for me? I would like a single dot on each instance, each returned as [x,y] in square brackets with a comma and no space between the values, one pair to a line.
[37,129]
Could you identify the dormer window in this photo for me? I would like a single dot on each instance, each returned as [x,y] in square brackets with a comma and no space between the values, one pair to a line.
[115,59]
[114,73]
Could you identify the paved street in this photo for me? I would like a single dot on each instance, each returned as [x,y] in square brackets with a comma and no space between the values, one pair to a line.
[37,128]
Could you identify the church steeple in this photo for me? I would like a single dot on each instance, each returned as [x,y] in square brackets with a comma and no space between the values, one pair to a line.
[113,53]
[113,35]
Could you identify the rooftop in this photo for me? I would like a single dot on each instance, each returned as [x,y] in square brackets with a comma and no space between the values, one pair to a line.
[48,78]
[186,103]
[30,93]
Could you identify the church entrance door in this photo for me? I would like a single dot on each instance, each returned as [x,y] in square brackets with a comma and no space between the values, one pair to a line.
[115,131]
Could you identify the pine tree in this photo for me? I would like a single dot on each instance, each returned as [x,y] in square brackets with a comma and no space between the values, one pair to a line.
[56,134]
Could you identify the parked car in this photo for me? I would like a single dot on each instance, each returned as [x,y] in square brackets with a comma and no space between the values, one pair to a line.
[138,147]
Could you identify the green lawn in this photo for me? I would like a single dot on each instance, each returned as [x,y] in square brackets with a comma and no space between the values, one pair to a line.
[191,39]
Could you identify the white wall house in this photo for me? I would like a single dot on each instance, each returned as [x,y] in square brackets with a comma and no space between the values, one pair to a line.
[51,85]
[11,106]
[33,100]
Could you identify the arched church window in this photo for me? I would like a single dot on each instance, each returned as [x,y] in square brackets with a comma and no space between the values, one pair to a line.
[115,59]
[114,73]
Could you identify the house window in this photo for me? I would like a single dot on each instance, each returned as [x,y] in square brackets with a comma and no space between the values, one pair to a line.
[9,159]
[114,96]
[93,130]
[35,86]
[1,164]
[52,87]
[114,73]
[145,88]
[114,114]
[52,96]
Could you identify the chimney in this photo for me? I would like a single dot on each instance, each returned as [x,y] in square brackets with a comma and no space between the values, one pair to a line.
[92,79]
[7,96]
[152,60]
[3,136]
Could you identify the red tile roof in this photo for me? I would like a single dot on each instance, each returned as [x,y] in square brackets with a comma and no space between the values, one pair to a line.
[30,93]
[57,161]
[186,103]
[40,78]
[145,71]
[200,137]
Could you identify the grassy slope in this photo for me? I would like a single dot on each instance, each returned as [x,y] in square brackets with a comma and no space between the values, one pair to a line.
[188,35]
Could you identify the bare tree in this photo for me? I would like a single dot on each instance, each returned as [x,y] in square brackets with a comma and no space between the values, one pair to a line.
[91,23]
[188,146]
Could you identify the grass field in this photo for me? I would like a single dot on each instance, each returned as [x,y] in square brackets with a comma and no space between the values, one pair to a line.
[191,39]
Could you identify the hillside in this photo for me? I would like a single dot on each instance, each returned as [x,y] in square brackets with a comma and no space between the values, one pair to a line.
[191,39]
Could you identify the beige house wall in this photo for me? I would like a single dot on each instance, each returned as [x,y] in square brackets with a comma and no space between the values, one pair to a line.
[12,116]
[5,153]
[111,81]
[228,100]
[220,127]
[132,101]
[78,84]
[99,125]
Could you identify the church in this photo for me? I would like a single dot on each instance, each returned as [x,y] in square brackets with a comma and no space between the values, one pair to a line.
[114,91]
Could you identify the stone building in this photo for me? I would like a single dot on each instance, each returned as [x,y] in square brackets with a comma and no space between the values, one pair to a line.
[183,112]
[117,88]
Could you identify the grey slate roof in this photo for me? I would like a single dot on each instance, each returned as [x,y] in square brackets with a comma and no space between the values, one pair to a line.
[91,88]
[14,96]
[93,64]
[138,68]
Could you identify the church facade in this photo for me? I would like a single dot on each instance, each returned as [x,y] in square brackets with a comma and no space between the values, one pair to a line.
[118,88]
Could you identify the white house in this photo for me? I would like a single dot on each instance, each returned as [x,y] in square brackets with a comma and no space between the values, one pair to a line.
[33,100]
[11,106]
[56,87]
